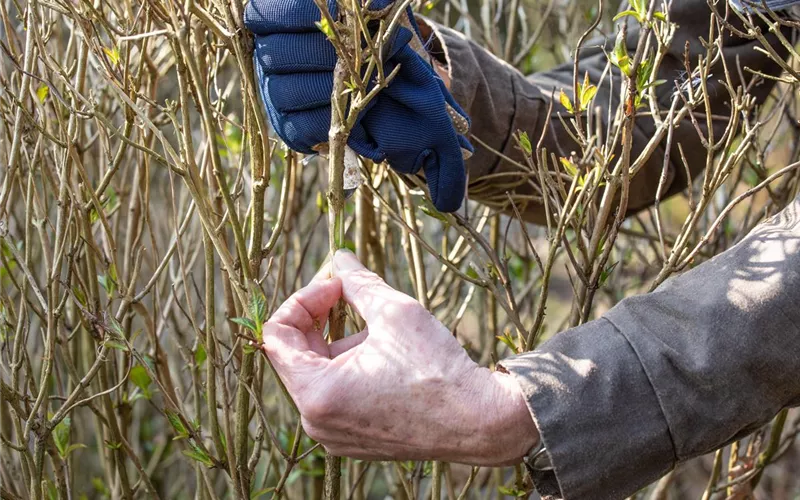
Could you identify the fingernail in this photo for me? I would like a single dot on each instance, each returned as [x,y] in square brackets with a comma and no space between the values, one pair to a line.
[345,260]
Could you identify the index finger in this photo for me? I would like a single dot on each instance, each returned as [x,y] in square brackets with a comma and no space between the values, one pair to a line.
[369,295]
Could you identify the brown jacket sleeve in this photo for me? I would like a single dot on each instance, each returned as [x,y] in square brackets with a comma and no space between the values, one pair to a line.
[501,101]
[704,360]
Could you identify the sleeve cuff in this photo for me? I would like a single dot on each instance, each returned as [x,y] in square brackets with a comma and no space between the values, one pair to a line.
[595,409]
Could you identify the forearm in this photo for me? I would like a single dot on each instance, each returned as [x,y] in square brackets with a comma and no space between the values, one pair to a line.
[707,358]
[501,101]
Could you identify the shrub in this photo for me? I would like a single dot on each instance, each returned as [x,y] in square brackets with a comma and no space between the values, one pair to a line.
[151,223]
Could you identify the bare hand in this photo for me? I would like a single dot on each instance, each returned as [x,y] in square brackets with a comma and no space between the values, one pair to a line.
[401,389]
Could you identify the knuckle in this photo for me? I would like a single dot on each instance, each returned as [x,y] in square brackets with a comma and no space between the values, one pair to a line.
[373,292]
[361,286]
[316,409]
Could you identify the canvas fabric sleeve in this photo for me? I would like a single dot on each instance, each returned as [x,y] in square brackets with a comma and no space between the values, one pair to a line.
[707,358]
[501,101]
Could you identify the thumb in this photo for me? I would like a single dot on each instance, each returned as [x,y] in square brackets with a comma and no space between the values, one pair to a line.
[366,292]
[446,178]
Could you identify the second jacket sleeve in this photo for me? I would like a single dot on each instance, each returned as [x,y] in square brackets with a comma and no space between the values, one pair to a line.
[501,101]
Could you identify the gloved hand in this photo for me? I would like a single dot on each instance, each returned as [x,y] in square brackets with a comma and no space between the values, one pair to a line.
[407,124]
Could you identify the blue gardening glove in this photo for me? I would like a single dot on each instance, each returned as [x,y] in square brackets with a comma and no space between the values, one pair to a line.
[407,124]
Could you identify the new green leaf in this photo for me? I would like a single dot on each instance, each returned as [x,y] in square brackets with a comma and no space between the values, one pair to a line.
[525,143]
[42,92]
[565,101]
[245,322]
[177,424]
[141,379]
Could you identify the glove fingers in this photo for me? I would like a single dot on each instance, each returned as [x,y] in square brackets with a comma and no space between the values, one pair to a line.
[285,53]
[464,143]
[400,141]
[304,130]
[446,179]
[364,144]
[264,17]
[300,91]
[303,52]
[379,4]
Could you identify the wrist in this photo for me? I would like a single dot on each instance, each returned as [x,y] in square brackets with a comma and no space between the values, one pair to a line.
[484,420]
[435,49]
[492,426]
[443,73]
[512,432]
